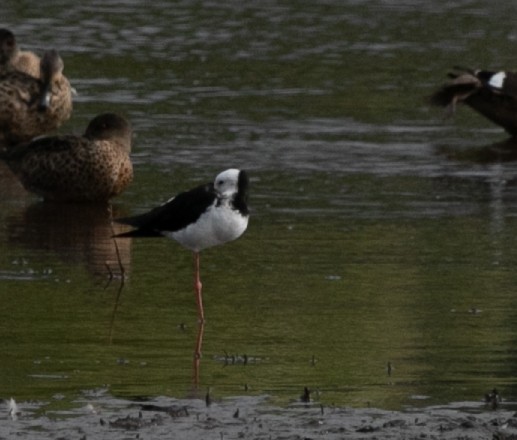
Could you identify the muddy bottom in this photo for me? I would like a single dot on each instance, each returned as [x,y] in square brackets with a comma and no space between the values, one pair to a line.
[97,415]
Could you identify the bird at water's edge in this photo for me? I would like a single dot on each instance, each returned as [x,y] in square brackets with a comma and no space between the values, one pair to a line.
[93,167]
[206,216]
[491,94]
[30,106]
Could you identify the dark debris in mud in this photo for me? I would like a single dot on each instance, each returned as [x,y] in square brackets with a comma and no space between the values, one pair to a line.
[100,416]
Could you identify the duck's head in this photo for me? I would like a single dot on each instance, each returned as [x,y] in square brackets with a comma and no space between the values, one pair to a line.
[110,126]
[8,47]
[51,67]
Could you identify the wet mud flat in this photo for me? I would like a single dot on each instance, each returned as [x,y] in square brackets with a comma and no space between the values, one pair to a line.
[100,416]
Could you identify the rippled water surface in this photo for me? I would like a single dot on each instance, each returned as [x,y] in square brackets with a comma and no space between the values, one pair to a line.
[367,245]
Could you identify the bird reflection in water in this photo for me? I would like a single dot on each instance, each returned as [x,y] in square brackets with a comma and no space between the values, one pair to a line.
[197,354]
[503,151]
[196,366]
[77,233]
[82,234]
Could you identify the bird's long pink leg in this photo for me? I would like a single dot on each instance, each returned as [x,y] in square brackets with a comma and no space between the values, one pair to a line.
[197,288]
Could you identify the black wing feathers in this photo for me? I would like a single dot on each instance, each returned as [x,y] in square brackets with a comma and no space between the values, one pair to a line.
[510,84]
[174,215]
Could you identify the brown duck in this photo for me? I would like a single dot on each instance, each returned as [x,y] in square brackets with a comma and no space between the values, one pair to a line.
[30,106]
[93,167]
[22,60]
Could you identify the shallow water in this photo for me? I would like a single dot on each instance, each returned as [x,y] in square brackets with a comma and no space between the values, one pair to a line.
[95,414]
[367,244]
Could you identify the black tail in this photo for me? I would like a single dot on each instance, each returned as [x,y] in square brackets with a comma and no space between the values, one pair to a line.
[139,231]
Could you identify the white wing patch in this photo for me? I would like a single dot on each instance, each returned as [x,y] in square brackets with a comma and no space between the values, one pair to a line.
[497,80]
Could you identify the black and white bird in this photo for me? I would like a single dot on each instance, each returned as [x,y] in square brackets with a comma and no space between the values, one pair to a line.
[206,216]
[492,94]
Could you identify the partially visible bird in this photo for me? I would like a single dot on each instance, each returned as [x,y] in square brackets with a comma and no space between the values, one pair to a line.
[493,398]
[56,98]
[93,167]
[11,57]
[31,106]
[492,94]
[8,50]
[27,62]
[13,409]
[306,396]
[206,216]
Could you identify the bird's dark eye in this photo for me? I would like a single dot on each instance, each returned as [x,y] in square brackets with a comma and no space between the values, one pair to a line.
[220,182]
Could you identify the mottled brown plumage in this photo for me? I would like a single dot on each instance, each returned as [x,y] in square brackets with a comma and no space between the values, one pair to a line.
[93,167]
[31,106]
[27,62]
[12,57]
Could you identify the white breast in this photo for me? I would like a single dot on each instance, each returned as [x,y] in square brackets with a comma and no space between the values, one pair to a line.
[218,225]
